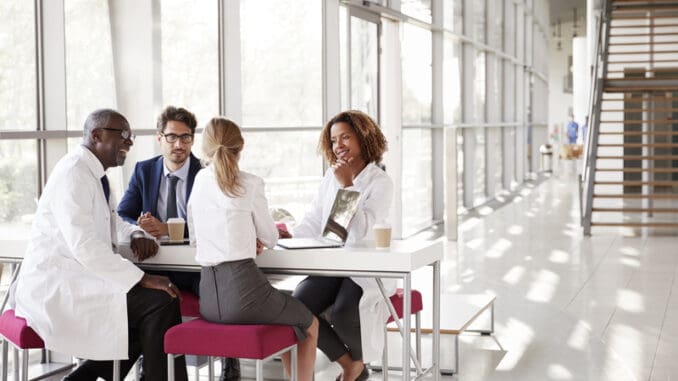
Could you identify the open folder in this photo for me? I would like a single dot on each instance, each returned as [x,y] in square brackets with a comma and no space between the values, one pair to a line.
[335,231]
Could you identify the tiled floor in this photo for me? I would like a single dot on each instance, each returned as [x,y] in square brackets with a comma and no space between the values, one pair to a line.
[568,307]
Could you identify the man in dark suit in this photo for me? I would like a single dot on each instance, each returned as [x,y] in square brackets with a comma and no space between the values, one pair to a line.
[160,187]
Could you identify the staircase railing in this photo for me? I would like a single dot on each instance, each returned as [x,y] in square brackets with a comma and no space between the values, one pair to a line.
[598,74]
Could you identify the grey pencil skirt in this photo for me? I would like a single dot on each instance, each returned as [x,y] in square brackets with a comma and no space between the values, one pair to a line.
[238,293]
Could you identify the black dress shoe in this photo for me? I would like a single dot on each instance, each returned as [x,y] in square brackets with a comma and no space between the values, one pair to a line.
[363,376]
[230,370]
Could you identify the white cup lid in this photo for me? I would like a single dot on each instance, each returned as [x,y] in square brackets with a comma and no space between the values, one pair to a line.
[175,220]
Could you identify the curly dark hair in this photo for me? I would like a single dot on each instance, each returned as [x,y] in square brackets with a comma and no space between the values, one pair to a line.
[372,141]
[177,114]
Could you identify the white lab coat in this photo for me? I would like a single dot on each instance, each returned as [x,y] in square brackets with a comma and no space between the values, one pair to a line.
[376,193]
[72,286]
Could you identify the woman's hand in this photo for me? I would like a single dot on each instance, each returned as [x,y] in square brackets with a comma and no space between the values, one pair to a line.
[282,233]
[343,172]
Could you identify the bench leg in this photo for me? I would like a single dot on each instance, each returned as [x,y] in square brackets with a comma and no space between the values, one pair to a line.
[294,372]
[260,370]
[456,354]
[170,367]
[210,368]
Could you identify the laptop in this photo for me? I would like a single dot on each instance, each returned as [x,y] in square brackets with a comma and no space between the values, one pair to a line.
[335,231]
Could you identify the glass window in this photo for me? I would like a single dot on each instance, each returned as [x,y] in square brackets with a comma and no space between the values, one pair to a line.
[479,27]
[419,9]
[451,81]
[452,15]
[281,62]
[18,187]
[417,75]
[364,67]
[460,171]
[479,192]
[190,61]
[480,87]
[495,23]
[292,176]
[417,188]
[90,80]
[17,66]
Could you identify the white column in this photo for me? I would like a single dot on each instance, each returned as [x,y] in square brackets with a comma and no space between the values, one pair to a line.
[580,79]
[391,114]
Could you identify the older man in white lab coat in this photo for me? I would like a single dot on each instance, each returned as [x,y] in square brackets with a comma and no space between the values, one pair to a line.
[78,294]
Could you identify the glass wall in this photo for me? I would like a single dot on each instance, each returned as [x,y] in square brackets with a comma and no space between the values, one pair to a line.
[473,66]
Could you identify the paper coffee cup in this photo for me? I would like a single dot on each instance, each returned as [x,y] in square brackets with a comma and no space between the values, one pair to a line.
[175,229]
[382,236]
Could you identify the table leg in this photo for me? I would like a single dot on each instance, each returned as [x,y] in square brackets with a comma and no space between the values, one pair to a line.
[407,308]
[436,321]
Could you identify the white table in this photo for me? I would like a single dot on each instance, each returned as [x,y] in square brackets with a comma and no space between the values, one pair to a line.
[398,262]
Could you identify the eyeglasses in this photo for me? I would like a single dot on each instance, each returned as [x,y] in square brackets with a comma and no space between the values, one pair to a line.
[172,138]
[125,134]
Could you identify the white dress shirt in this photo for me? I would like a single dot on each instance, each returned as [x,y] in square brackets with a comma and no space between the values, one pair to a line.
[182,174]
[226,228]
[376,194]
[72,286]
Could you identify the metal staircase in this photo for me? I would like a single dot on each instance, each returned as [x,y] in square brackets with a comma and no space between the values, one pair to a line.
[630,175]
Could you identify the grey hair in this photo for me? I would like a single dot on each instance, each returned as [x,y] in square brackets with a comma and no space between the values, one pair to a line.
[99,119]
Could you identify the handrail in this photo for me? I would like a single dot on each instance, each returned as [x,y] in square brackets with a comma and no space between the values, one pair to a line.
[598,73]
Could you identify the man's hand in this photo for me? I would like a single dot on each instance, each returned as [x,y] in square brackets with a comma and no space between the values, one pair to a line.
[152,225]
[343,172]
[142,247]
[260,247]
[160,282]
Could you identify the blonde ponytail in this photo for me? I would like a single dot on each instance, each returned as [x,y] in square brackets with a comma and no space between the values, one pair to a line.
[222,143]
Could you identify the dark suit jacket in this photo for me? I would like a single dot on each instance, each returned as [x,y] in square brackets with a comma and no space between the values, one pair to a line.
[142,192]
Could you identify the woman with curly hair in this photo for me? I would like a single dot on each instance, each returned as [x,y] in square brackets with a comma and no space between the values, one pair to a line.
[353,334]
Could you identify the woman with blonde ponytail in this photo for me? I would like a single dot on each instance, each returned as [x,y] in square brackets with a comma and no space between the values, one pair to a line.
[227,216]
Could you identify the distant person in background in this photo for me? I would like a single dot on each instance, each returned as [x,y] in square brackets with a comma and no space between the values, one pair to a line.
[572,129]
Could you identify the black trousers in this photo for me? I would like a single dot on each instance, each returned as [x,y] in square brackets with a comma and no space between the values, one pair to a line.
[341,334]
[149,313]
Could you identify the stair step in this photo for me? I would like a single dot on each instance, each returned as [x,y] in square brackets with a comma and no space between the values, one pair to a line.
[654,196]
[639,157]
[632,183]
[643,34]
[640,109]
[640,89]
[638,170]
[643,8]
[655,52]
[639,61]
[637,224]
[655,99]
[642,43]
[630,17]
[634,210]
[640,145]
[638,133]
[643,26]
[639,121]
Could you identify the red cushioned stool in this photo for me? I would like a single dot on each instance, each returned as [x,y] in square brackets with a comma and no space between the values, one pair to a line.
[254,342]
[15,330]
[190,304]
[416,305]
